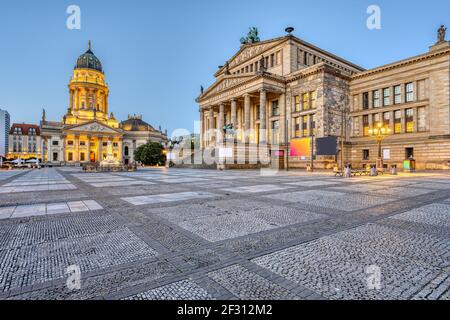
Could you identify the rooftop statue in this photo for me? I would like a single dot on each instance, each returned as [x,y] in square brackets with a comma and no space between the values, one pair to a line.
[252,36]
[441,33]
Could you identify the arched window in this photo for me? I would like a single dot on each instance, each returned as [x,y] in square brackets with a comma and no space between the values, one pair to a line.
[126,151]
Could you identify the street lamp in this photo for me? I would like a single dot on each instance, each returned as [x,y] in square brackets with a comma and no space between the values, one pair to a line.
[379,134]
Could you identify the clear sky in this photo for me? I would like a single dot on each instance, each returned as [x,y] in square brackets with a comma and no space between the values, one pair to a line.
[156,54]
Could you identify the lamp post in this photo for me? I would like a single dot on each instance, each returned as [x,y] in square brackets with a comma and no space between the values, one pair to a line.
[379,134]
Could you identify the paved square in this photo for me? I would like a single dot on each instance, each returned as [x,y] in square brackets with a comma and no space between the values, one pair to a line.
[205,234]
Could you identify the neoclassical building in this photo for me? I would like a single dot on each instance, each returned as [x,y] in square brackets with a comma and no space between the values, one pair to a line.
[279,91]
[88,130]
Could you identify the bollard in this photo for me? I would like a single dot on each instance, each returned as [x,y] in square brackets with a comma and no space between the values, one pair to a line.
[394,170]
[373,171]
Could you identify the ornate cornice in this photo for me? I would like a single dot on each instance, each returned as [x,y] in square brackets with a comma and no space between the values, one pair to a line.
[401,63]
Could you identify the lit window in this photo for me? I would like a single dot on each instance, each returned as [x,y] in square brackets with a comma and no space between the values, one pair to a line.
[398,122]
[305,126]
[305,101]
[366,125]
[409,115]
[313,99]
[386,119]
[297,103]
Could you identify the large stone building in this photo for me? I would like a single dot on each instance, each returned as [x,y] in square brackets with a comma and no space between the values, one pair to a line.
[308,92]
[87,130]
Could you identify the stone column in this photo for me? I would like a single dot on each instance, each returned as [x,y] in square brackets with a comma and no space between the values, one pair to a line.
[234,112]
[88,157]
[416,92]
[370,121]
[76,157]
[221,122]
[262,115]
[282,106]
[202,134]
[211,126]
[247,102]
[403,121]
[370,99]
[99,148]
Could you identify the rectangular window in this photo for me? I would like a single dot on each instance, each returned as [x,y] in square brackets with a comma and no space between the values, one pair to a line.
[55,143]
[397,94]
[398,122]
[258,110]
[305,126]
[409,92]
[251,68]
[376,119]
[55,156]
[70,142]
[275,131]
[313,125]
[82,143]
[275,108]
[305,58]
[386,97]
[70,156]
[365,100]
[366,154]
[409,153]
[366,125]
[386,119]
[305,101]
[115,144]
[246,69]
[297,127]
[272,60]
[313,99]
[409,118]
[297,104]
[82,156]
[376,99]
[105,144]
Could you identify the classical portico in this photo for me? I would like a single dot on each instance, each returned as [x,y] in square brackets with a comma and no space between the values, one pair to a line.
[239,107]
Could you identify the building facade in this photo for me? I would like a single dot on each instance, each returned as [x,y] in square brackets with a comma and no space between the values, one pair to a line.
[5,126]
[276,91]
[24,142]
[88,130]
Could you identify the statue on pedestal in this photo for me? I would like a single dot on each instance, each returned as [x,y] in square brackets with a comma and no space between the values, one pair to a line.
[441,34]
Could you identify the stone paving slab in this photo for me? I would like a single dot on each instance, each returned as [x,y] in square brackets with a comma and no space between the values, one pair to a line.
[176,234]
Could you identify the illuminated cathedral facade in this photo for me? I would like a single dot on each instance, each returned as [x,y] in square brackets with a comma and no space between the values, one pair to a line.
[88,131]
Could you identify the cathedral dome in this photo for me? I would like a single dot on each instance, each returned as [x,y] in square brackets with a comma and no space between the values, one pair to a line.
[89,61]
[135,123]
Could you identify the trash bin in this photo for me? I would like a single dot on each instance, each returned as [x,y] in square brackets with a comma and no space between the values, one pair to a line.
[394,170]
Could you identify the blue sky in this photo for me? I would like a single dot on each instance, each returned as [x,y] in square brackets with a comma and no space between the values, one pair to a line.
[156,54]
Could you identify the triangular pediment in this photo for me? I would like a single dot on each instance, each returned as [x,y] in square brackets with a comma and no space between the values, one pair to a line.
[250,51]
[94,127]
[226,82]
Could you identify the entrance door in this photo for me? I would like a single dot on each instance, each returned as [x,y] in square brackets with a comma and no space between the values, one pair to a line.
[92,156]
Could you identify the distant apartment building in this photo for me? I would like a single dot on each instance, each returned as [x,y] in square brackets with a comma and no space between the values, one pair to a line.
[4,131]
[24,142]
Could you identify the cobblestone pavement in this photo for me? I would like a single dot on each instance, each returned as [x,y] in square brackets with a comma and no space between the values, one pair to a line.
[204,234]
